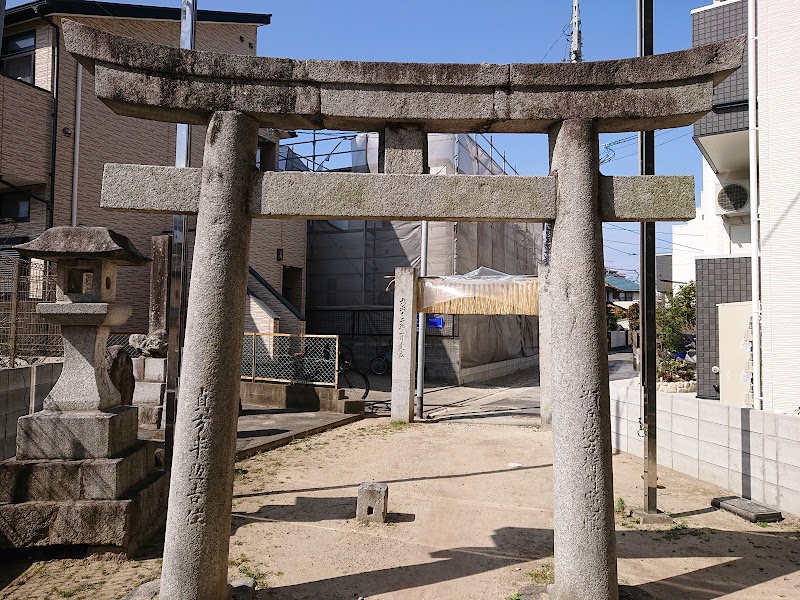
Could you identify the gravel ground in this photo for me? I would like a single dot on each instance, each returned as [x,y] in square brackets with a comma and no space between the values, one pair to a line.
[470,517]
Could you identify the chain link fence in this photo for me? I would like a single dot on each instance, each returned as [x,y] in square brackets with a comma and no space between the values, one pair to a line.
[288,358]
[24,336]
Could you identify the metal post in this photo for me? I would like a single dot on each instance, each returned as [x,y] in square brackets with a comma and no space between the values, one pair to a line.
[253,354]
[755,239]
[12,333]
[178,262]
[419,401]
[647,309]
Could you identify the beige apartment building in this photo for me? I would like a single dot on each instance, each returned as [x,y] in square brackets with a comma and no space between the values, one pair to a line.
[55,137]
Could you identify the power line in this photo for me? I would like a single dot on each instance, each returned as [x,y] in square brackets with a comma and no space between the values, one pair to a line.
[661,144]
[620,251]
[560,35]
[658,238]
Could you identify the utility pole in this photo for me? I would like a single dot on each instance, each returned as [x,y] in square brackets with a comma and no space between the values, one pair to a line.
[2,21]
[178,262]
[576,50]
[422,319]
[647,308]
[575,56]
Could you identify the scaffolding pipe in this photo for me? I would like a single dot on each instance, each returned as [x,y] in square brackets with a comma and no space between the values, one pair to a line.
[755,230]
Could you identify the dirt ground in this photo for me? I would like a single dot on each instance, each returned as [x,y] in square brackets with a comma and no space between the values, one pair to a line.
[470,518]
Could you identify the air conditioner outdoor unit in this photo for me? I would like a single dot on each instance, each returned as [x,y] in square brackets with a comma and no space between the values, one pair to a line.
[733,198]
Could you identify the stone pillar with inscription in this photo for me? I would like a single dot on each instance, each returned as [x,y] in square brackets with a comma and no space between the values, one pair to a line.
[583,494]
[199,516]
[404,349]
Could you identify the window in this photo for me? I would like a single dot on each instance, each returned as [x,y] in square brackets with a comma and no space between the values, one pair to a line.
[15,206]
[18,56]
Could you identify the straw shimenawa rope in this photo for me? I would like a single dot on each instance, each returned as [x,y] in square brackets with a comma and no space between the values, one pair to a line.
[502,296]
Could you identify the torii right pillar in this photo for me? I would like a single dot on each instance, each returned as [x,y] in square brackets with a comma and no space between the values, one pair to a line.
[572,284]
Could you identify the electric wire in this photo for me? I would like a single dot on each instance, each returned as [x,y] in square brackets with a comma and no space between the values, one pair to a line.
[657,238]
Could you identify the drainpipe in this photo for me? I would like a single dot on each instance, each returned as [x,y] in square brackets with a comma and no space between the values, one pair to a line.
[755,240]
[54,134]
[76,148]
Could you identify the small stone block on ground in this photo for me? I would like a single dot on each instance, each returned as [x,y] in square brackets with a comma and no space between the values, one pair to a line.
[373,500]
[646,518]
[747,509]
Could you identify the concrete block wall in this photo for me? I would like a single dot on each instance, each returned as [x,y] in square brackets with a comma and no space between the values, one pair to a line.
[754,454]
[619,339]
[22,391]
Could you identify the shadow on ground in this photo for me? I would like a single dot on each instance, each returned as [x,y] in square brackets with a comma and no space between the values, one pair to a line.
[761,557]
[354,486]
[746,559]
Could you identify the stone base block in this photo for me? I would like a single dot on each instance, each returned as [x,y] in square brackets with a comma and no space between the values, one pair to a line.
[149,369]
[149,392]
[124,524]
[241,588]
[62,480]
[155,369]
[646,518]
[77,435]
[747,509]
[540,592]
[150,417]
[373,501]
[345,407]
[138,368]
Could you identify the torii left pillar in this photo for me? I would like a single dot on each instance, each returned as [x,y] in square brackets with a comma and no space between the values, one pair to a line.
[584,540]
[201,490]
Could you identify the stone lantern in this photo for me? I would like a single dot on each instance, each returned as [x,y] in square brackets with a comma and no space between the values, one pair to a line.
[81,476]
[85,308]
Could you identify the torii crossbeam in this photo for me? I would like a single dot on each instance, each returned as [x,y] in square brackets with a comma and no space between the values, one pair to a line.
[235,95]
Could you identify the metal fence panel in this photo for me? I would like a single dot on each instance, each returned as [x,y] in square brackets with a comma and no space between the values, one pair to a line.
[288,358]
[23,333]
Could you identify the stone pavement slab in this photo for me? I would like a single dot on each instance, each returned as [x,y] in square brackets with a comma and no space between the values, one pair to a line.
[262,429]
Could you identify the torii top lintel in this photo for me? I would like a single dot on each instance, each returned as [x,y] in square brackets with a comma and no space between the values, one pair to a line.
[168,84]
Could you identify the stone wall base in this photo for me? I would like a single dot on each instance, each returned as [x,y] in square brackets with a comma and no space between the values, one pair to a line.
[122,525]
[150,390]
[298,397]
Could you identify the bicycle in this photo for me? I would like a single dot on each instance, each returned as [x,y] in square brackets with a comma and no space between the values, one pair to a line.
[380,364]
[351,380]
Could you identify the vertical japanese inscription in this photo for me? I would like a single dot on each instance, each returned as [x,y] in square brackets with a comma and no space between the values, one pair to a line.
[401,330]
[199,456]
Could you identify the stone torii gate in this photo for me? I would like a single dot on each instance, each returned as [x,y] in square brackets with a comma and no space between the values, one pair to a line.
[234,95]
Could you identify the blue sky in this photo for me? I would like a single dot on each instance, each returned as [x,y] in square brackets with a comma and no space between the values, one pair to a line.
[496,32]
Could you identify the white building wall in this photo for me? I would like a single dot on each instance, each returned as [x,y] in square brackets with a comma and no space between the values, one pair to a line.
[779,144]
[709,234]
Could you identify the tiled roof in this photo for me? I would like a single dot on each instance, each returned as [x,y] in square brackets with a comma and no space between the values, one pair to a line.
[622,284]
